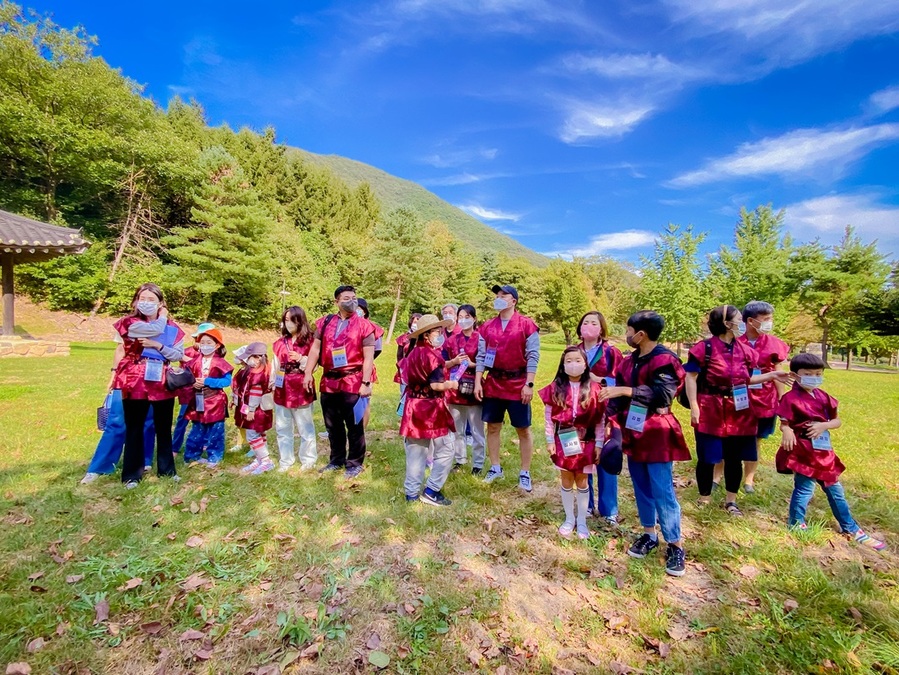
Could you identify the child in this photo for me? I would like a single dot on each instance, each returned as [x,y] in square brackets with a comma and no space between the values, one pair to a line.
[293,402]
[240,358]
[186,394]
[646,383]
[807,414]
[249,387]
[427,421]
[574,427]
[208,407]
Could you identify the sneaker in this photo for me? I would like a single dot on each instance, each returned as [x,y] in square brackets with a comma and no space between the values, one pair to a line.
[524,481]
[235,448]
[203,461]
[434,498]
[583,532]
[643,546]
[353,472]
[733,509]
[323,435]
[493,475]
[131,484]
[715,486]
[412,498]
[476,470]
[176,478]
[457,467]
[330,467]
[148,468]
[89,478]
[264,466]
[212,465]
[749,489]
[307,466]
[284,468]
[566,528]
[867,540]
[675,561]
[612,522]
[801,527]
[251,467]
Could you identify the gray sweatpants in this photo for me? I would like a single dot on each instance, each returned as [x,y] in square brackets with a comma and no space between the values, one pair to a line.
[470,415]
[417,461]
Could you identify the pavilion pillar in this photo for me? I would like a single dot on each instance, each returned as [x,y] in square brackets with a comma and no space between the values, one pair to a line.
[9,298]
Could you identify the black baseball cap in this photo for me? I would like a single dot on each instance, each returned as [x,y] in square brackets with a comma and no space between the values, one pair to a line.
[506,289]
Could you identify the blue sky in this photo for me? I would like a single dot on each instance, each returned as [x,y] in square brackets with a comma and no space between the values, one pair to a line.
[575,127]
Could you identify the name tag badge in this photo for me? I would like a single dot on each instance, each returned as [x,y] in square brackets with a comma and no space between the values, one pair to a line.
[571,444]
[245,410]
[741,397]
[490,357]
[610,381]
[338,357]
[636,417]
[822,442]
[201,402]
[153,371]
[279,378]
[756,371]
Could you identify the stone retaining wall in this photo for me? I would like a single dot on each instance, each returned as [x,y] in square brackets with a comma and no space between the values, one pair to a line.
[12,347]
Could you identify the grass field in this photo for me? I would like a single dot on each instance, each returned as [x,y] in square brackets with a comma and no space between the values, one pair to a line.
[300,573]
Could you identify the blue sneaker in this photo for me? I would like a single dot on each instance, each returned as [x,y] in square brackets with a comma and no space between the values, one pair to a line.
[433,498]
[412,498]
[493,475]
[353,471]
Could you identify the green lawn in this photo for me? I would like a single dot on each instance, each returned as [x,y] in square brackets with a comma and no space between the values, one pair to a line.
[230,574]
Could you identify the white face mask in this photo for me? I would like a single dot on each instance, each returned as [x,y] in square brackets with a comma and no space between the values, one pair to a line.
[466,323]
[739,329]
[413,328]
[574,368]
[499,304]
[290,326]
[766,326]
[811,381]
[449,317]
[360,312]
[147,307]
[206,350]
[437,340]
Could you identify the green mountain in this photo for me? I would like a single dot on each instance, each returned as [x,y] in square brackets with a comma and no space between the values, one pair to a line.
[395,192]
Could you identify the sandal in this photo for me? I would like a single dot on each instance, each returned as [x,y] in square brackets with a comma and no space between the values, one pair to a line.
[733,509]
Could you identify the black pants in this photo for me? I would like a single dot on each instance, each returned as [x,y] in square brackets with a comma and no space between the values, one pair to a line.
[135,416]
[337,409]
[733,470]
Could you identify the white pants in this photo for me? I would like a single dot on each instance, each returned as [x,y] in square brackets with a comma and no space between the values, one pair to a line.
[470,415]
[285,419]
[417,460]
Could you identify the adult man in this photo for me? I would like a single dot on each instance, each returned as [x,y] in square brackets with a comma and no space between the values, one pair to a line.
[449,311]
[344,346]
[508,351]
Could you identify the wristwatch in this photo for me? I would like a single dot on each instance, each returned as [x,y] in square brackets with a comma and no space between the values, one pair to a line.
[366,384]
[530,384]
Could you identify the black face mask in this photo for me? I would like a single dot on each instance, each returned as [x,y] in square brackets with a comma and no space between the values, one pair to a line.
[630,341]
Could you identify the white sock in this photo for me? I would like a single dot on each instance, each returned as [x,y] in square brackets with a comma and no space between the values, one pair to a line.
[568,505]
[583,497]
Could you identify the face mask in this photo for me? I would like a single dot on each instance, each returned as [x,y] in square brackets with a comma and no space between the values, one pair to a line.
[466,323]
[811,381]
[413,328]
[291,327]
[438,340]
[630,341]
[360,312]
[739,329]
[766,326]
[206,350]
[254,362]
[349,306]
[499,304]
[449,317]
[574,369]
[590,331]
[147,307]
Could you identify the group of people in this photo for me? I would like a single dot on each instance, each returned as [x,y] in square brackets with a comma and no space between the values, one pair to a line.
[461,379]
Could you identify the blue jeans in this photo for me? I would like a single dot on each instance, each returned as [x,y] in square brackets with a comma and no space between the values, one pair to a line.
[209,436]
[804,488]
[656,499]
[180,429]
[606,492]
[112,442]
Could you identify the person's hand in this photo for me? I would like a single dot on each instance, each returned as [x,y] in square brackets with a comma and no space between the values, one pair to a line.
[152,344]
[550,444]
[596,378]
[294,356]
[365,391]
[613,392]
[783,376]
[308,383]
[694,415]
[451,385]
[251,414]
[163,311]
[478,391]
[198,383]
[527,393]
[789,439]
[815,429]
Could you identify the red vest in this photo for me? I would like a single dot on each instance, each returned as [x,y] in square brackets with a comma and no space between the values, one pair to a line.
[606,355]
[241,385]
[456,344]
[403,349]
[215,401]
[770,351]
[726,369]
[292,394]
[585,421]
[425,414]
[509,372]
[799,407]
[130,371]
[662,439]
[348,378]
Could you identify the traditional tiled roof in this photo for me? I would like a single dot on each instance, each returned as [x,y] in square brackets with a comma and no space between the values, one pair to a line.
[30,240]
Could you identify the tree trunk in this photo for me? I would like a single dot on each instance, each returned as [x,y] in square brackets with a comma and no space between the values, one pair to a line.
[824,347]
[848,357]
[679,348]
[396,310]
[567,334]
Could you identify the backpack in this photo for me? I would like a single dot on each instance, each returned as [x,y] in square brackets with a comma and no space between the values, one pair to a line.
[682,394]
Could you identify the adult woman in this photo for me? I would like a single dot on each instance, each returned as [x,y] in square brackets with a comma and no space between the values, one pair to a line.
[462,348]
[603,360]
[719,372]
[404,345]
[149,342]
[293,403]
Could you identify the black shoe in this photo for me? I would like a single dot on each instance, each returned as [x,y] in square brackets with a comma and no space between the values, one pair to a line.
[434,498]
[643,546]
[675,561]
[476,471]
[330,467]
[457,467]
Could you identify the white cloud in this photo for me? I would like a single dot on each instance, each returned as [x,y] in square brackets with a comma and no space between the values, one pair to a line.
[800,152]
[453,158]
[828,216]
[603,120]
[611,241]
[884,100]
[488,214]
[629,66]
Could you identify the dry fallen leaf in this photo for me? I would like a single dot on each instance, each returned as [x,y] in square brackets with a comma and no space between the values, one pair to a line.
[194,508]
[664,650]
[474,656]
[194,581]
[374,641]
[74,578]
[203,654]
[151,628]
[35,576]
[266,585]
[191,634]
[749,571]
[86,538]
[678,632]
[131,584]
[171,536]
[856,615]
[790,605]
[35,645]
[194,541]
[157,508]
[102,611]
[62,628]
[618,622]
[18,668]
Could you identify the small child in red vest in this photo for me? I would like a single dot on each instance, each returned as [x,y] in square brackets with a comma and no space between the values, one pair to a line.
[250,387]
[207,408]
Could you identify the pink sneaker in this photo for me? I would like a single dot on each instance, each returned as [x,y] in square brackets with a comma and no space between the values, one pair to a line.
[866,539]
[566,528]
[251,467]
[267,465]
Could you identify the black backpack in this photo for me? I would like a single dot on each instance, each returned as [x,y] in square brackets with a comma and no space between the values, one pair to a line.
[682,394]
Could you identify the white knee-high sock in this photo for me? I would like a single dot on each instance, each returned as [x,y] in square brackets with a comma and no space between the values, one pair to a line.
[568,505]
[583,497]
